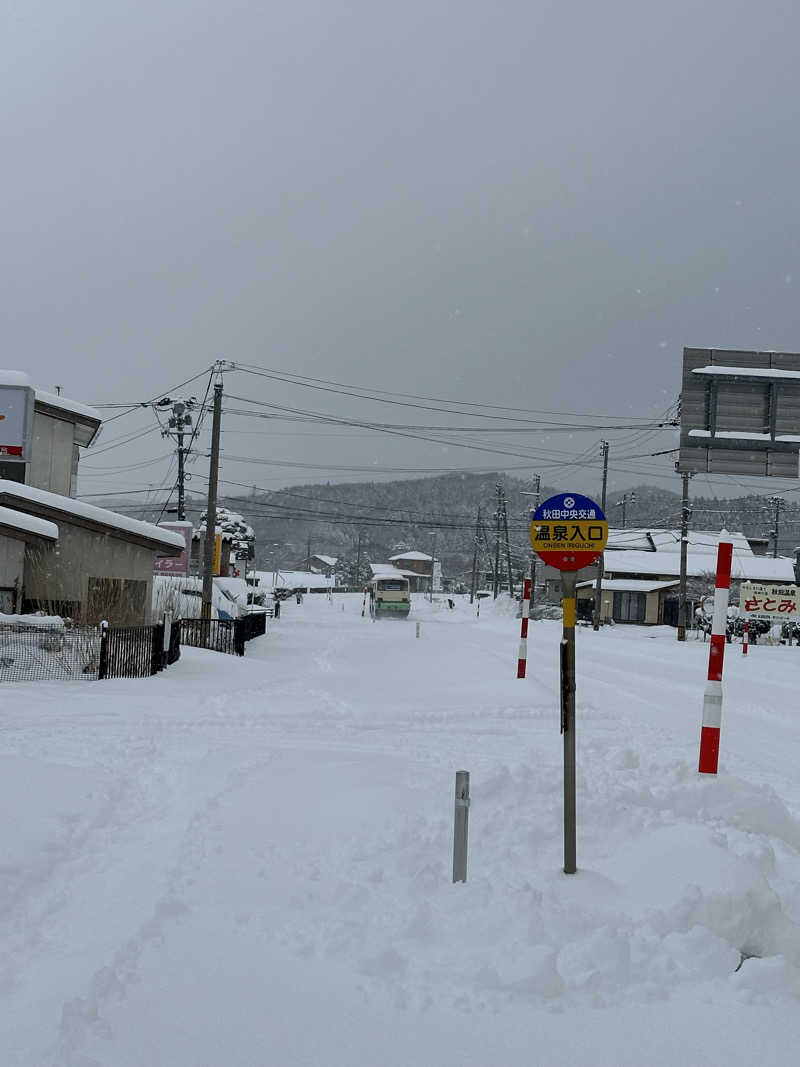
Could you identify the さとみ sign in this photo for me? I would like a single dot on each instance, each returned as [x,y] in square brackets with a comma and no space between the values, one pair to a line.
[773,603]
[568,531]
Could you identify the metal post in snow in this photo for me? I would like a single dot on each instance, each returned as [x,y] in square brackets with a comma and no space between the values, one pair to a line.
[102,668]
[165,643]
[712,698]
[568,608]
[461,827]
[745,638]
[523,641]
[417,629]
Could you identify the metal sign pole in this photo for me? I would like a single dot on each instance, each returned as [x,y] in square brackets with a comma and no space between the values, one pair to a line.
[568,608]
[569,531]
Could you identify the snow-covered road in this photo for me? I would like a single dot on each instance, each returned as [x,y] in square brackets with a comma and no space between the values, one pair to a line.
[247,862]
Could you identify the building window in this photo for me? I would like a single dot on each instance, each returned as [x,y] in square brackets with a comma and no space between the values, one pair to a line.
[629,607]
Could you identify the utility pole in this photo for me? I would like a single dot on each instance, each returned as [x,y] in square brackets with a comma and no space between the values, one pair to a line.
[508,548]
[627,498]
[536,494]
[179,421]
[777,502]
[685,516]
[211,506]
[537,489]
[598,588]
[496,586]
[473,585]
[433,561]
[358,562]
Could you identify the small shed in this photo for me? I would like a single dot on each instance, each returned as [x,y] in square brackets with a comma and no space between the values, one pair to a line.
[627,599]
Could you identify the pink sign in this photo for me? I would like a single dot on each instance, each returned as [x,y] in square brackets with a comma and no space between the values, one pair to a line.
[176,564]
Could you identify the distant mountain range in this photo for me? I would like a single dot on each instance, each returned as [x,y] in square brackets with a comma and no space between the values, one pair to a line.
[396,516]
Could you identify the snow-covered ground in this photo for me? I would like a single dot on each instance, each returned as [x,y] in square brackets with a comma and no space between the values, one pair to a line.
[248,862]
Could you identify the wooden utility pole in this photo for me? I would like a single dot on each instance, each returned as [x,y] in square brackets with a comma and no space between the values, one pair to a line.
[211,506]
[536,494]
[496,586]
[598,588]
[358,561]
[433,561]
[508,548]
[685,513]
[777,502]
[473,583]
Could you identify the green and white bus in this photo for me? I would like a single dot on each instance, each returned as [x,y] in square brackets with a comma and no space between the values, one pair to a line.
[389,598]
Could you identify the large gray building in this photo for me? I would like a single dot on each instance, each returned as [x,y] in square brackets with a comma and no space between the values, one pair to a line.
[58,554]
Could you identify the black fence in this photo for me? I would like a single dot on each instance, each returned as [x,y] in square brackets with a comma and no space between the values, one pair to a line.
[174,650]
[131,651]
[223,635]
[31,653]
[52,652]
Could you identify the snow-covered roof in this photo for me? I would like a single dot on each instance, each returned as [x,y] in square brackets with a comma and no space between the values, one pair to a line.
[74,407]
[15,377]
[630,585]
[744,565]
[330,561]
[25,496]
[651,539]
[292,580]
[28,524]
[411,555]
[386,570]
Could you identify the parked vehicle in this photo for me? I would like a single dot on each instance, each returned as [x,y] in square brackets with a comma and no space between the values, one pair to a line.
[389,598]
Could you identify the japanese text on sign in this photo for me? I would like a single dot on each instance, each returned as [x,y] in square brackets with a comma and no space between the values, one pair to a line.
[771,602]
[568,531]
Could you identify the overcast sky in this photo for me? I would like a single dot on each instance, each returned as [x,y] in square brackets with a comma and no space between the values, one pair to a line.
[518,203]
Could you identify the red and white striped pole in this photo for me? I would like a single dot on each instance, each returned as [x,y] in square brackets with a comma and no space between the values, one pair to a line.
[523,641]
[745,638]
[712,698]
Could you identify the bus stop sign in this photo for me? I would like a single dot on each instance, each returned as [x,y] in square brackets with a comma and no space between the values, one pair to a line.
[568,531]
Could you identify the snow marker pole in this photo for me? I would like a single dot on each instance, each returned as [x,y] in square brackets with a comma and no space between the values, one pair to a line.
[364,605]
[712,698]
[745,638]
[523,641]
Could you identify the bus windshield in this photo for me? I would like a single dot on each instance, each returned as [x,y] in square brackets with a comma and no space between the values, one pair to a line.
[393,583]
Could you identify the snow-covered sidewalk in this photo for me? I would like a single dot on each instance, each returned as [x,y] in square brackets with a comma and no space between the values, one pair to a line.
[247,862]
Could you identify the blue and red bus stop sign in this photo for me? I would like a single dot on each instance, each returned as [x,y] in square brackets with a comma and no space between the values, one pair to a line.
[568,531]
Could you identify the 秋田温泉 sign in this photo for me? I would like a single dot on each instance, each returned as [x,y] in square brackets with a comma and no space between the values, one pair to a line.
[568,531]
[774,603]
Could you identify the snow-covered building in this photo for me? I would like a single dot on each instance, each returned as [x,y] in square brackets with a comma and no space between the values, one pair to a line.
[57,553]
[322,564]
[653,557]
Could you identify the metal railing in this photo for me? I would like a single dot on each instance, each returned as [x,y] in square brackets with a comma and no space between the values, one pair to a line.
[130,651]
[223,635]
